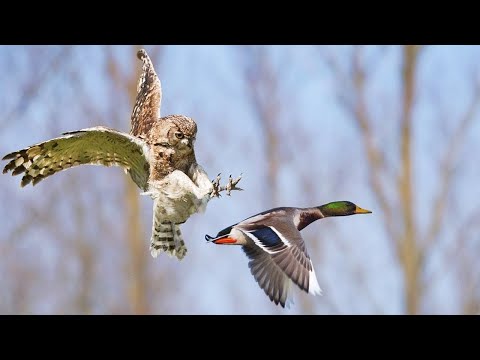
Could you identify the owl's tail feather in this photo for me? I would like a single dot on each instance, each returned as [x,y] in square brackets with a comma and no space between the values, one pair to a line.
[166,236]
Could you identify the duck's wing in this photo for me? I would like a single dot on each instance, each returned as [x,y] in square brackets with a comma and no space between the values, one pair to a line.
[277,254]
[269,277]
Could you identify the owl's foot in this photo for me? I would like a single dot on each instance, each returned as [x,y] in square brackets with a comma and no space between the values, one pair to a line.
[231,185]
[216,187]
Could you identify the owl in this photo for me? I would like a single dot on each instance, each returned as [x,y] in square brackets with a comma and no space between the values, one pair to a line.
[158,154]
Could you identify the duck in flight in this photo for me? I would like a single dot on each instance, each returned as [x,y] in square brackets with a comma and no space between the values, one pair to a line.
[276,249]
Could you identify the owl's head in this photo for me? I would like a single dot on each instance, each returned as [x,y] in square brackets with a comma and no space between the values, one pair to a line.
[181,132]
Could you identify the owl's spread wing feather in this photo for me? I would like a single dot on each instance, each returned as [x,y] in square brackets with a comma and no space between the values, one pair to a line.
[149,98]
[92,146]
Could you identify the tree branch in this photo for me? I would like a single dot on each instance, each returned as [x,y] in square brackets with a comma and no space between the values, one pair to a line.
[374,156]
[409,252]
[446,171]
[35,85]
[263,81]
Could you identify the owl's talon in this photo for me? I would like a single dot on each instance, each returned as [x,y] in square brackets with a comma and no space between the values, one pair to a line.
[216,187]
[231,185]
[236,181]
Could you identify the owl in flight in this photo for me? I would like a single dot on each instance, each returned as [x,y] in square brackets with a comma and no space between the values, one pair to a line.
[158,154]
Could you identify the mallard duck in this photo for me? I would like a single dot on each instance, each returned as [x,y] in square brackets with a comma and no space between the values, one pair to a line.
[275,247]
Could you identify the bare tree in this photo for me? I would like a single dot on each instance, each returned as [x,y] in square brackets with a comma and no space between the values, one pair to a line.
[262,80]
[78,242]
[392,181]
[135,234]
[276,110]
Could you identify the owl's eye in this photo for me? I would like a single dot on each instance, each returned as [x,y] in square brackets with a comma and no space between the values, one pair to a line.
[179,135]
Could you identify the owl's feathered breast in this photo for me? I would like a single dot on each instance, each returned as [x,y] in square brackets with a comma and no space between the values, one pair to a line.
[165,160]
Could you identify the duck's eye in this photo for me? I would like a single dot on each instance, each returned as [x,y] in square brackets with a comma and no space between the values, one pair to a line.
[179,135]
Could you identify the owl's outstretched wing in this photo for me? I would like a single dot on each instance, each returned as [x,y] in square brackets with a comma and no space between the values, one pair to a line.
[93,146]
[149,98]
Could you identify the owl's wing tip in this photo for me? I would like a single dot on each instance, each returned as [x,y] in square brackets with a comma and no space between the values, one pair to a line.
[142,54]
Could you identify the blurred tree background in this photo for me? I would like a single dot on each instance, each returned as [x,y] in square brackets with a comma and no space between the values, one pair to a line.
[392,128]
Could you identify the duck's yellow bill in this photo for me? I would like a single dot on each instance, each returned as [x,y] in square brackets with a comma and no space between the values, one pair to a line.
[359,210]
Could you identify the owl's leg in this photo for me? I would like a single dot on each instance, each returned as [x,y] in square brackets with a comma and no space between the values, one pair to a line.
[200,179]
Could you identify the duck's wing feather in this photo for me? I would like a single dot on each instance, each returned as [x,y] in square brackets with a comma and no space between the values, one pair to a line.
[278,254]
[269,276]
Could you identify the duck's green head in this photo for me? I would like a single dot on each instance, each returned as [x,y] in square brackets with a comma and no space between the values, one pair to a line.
[341,208]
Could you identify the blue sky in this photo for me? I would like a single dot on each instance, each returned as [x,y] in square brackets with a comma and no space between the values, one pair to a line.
[352,256]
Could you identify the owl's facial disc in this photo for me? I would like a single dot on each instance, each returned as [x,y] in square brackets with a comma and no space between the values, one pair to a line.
[182,134]
[185,144]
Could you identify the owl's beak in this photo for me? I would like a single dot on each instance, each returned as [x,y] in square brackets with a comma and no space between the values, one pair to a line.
[186,142]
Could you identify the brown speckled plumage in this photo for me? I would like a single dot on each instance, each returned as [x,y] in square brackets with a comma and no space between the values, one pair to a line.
[146,110]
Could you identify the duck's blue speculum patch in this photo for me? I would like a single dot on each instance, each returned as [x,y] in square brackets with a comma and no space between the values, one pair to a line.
[267,237]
